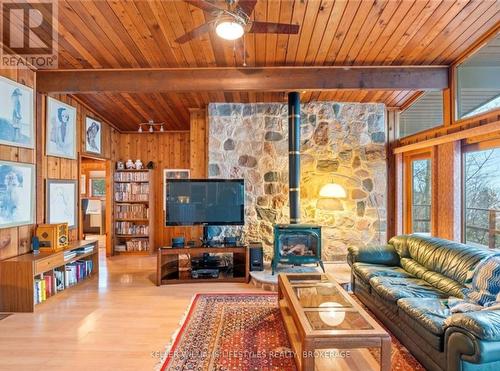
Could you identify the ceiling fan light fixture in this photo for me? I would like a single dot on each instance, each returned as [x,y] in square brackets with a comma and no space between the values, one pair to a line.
[230,29]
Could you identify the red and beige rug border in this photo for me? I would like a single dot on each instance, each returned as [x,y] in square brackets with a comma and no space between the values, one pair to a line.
[177,335]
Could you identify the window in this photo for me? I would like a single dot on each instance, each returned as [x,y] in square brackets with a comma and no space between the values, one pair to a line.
[478,81]
[482,197]
[418,194]
[425,113]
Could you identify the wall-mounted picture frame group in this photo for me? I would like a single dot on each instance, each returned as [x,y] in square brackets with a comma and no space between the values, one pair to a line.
[17,194]
[16,114]
[61,201]
[61,129]
[93,135]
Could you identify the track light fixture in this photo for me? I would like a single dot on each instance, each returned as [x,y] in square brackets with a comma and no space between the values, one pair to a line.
[151,125]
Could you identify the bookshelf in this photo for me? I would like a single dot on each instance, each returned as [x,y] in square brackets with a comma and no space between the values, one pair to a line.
[133,212]
[29,280]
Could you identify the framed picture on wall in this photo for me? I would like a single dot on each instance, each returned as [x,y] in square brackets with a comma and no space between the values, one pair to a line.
[173,174]
[83,184]
[16,114]
[17,194]
[61,201]
[97,187]
[93,134]
[61,129]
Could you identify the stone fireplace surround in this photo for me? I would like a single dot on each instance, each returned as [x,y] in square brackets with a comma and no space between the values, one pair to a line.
[250,141]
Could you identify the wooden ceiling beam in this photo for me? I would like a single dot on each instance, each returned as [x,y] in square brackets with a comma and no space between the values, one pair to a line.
[242,79]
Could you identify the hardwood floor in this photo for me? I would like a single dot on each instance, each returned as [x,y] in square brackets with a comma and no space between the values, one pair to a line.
[117,321]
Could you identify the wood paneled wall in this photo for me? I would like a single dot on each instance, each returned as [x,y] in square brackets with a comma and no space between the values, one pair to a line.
[168,150]
[17,240]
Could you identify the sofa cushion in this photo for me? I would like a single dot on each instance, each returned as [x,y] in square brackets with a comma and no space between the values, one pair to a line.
[451,259]
[367,271]
[430,313]
[394,288]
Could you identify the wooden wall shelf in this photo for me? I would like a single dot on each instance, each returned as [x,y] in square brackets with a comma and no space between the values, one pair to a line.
[18,274]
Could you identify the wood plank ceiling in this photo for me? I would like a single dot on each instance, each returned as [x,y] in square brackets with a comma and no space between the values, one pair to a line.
[141,34]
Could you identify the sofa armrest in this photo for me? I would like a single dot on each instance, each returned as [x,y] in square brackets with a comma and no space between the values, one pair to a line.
[484,324]
[385,255]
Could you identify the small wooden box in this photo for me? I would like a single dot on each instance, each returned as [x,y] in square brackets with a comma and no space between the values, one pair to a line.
[53,237]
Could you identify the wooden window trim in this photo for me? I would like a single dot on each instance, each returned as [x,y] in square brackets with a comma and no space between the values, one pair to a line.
[408,159]
[469,146]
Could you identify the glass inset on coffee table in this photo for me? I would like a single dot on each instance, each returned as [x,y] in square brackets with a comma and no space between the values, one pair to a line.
[319,314]
[320,295]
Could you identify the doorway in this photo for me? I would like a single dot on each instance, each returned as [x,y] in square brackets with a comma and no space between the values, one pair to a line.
[95,201]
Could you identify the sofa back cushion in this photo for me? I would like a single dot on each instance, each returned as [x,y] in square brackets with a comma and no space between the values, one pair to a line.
[451,259]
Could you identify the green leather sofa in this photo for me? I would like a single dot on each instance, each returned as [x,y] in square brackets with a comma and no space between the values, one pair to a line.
[406,284]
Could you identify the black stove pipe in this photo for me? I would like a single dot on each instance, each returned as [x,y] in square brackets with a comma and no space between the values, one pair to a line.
[294,156]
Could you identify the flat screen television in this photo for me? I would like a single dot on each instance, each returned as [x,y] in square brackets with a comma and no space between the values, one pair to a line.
[204,202]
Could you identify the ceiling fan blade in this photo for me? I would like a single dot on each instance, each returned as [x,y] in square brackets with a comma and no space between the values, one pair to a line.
[204,5]
[195,32]
[271,27]
[247,6]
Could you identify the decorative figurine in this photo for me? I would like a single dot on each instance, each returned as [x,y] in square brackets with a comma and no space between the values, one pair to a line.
[120,165]
[138,164]
[130,164]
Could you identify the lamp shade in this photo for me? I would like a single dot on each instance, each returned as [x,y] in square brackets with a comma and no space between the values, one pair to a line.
[332,190]
[229,30]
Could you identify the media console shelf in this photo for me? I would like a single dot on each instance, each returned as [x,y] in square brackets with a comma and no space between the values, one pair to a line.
[168,271]
[19,275]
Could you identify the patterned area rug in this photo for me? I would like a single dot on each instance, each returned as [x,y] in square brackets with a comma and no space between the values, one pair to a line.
[243,332]
[231,332]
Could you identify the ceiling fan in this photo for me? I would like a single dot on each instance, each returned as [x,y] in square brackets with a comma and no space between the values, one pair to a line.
[234,21]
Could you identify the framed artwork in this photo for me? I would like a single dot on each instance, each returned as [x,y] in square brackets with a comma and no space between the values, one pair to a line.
[83,184]
[173,174]
[93,134]
[97,187]
[16,114]
[61,201]
[17,194]
[61,129]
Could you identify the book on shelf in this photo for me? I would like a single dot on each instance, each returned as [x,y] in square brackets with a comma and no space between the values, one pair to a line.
[137,245]
[59,277]
[39,292]
[131,176]
[77,271]
[84,250]
[125,228]
[140,211]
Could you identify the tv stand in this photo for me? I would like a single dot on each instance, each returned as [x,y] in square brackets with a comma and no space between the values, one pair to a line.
[168,272]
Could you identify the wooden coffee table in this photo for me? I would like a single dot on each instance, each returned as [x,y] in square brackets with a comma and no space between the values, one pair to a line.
[321,318]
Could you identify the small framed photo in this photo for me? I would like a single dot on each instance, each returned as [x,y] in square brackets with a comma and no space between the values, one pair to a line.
[61,201]
[17,194]
[93,135]
[97,187]
[173,174]
[61,129]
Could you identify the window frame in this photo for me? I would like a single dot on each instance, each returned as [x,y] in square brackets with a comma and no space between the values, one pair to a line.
[454,85]
[409,158]
[410,103]
[469,146]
